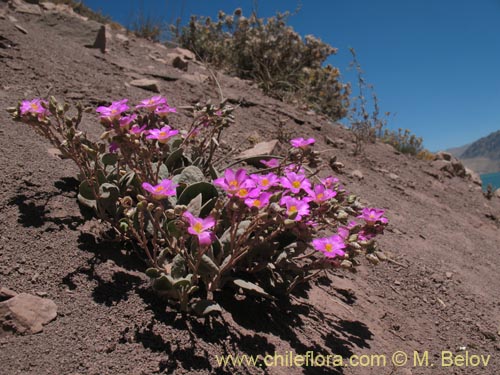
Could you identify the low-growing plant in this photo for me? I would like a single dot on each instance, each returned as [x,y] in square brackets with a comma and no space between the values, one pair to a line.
[426,155]
[270,52]
[404,141]
[200,231]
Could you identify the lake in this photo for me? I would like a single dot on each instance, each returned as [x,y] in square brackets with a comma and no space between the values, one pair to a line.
[491,178]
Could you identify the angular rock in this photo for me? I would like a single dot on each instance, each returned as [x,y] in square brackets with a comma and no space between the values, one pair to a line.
[180,63]
[146,84]
[262,148]
[443,165]
[187,54]
[473,176]
[100,40]
[21,29]
[458,168]
[497,193]
[196,78]
[442,155]
[25,313]
[393,176]
[6,293]
[24,7]
[357,174]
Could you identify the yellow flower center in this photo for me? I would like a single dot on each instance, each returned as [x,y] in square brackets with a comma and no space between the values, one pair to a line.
[329,247]
[35,106]
[243,192]
[293,209]
[198,227]
[257,203]
[158,189]
[162,134]
[320,196]
[296,184]
[265,182]
[233,183]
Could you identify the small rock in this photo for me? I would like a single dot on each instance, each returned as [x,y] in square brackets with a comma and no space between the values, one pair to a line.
[179,63]
[262,148]
[185,53]
[357,174]
[393,176]
[122,38]
[397,283]
[21,29]
[146,84]
[496,193]
[449,275]
[473,176]
[25,313]
[196,78]
[41,294]
[6,293]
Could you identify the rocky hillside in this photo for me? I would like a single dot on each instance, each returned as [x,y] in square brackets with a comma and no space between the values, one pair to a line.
[437,291]
[483,155]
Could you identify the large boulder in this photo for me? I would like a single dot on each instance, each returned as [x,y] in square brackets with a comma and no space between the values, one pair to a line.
[473,176]
[443,155]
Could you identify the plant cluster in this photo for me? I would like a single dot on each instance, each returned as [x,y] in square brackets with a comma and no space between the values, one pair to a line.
[404,141]
[199,230]
[271,53]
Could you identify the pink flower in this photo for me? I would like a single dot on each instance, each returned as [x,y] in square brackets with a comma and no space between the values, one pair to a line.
[164,189]
[271,163]
[163,134]
[235,182]
[320,194]
[295,182]
[34,107]
[343,232]
[125,121]
[294,168]
[302,143]
[114,111]
[261,201]
[152,103]
[365,236]
[265,182]
[164,110]
[137,130]
[295,208]
[372,215]
[330,182]
[113,147]
[330,246]
[200,228]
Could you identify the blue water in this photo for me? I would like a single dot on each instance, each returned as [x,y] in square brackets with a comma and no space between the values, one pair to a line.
[491,178]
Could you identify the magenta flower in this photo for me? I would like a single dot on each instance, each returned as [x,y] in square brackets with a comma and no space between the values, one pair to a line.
[302,143]
[295,182]
[113,147]
[265,182]
[330,182]
[365,236]
[164,189]
[152,103]
[320,194]
[330,246]
[235,182]
[164,110]
[372,216]
[125,121]
[271,163]
[114,111]
[293,168]
[295,208]
[137,130]
[34,107]
[262,200]
[163,134]
[200,228]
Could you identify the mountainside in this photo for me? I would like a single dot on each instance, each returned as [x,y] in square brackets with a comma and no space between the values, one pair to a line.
[438,291]
[483,155]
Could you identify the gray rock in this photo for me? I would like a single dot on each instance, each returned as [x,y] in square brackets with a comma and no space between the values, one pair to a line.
[497,193]
[146,84]
[25,313]
[442,155]
[6,293]
[262,148]
[100,40]
[357,174]
[180,63]
[185,53]
[21,29]
[24,7]
[393,176]
[473,176]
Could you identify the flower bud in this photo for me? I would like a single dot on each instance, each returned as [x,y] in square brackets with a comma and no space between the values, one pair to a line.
[150,206]
[170,214]
[141,198]
[179,209]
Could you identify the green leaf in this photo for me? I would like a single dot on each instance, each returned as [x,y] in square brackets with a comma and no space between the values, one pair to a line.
[207,266]
[183,282]
[207,190]
[251,288]
[208,207]
[195,205]
[86,191]
[163,283]
[87,202]
[178,267]
[173,229]
[153,272]
[109,159]
[174,158]
[128,179]
[205,307]
[189,175]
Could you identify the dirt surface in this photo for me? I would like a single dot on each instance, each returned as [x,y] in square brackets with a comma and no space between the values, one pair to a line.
[440,293]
